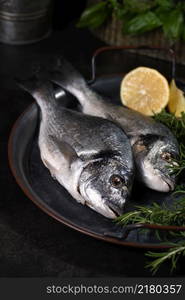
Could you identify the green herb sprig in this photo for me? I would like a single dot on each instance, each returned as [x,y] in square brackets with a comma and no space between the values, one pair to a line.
[138,16]
[156,214]
[177,127]
[173,254]
[161,215]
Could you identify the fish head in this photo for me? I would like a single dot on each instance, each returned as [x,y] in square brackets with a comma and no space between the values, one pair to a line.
[106,185]
[155,156]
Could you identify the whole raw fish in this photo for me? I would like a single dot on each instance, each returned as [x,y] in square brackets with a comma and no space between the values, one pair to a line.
[90,156]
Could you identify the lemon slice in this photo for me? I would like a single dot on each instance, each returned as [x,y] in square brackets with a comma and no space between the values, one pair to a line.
[176,103]
[145,90]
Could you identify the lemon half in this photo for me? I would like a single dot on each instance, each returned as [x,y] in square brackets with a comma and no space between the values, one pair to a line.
[145,90]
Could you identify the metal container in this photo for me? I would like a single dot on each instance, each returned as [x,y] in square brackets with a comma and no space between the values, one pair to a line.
[24,21]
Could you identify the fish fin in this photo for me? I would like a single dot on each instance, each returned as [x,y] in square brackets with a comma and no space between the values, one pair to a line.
[66,76]
[67,150]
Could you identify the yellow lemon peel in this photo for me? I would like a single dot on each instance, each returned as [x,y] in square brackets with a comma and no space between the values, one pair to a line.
[176,103]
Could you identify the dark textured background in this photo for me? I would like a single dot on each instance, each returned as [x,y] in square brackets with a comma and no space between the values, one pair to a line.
[32,244]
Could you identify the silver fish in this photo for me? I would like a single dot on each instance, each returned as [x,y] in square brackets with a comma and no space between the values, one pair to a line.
[153,144]
[90,156]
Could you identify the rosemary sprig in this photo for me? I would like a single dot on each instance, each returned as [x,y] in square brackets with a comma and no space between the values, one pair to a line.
[179,167]
[161,215]
[177,126]
[173,254]
[156,214]
[179,189]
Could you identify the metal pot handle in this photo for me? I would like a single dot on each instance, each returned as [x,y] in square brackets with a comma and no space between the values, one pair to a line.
[122,234]
[110,48]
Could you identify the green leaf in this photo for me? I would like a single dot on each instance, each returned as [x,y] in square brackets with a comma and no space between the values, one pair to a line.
[165,3]
[141,23]
[183,33]
[138,7]
[173,24]
[95,15]
[162,13]
[118,8]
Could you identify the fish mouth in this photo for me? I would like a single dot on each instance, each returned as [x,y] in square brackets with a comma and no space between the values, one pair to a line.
[94,200]
[156,179]
[105,211]
[170,184]
[116,210]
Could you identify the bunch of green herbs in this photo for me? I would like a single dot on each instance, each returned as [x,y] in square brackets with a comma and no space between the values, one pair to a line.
[139,16]
[156,214]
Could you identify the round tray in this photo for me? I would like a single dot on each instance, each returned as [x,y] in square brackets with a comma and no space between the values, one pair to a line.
[35,180]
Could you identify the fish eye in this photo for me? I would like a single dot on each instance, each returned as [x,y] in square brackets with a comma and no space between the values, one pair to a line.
[166,156]
[117,181]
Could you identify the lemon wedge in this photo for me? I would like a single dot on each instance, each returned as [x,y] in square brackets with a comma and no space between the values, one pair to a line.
[176,103]
[145,90]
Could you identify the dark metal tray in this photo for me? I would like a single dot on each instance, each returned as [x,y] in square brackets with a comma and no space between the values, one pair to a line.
[52,198]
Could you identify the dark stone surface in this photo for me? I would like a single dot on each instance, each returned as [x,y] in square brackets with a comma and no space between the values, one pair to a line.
[32,244]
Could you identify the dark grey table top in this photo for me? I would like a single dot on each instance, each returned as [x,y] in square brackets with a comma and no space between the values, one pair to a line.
[32,244]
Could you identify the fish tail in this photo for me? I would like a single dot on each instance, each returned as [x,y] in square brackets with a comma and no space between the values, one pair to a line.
[40,89]
[30,85]
[67,77]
